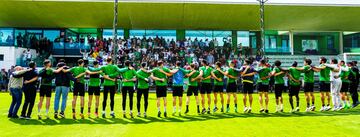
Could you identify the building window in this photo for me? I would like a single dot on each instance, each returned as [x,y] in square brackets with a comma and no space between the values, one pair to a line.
[6,36]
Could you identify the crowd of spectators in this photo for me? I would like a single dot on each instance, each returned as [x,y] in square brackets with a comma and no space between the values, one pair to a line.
[40,44]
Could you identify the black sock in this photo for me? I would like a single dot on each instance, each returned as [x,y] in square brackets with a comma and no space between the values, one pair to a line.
[308,104]
[82,110]
[323,105]
[328,105]
[291,102]
[227,105]
[236,105]
[198,107]
[89,109]
[73,110]
[96,110]
[313,103]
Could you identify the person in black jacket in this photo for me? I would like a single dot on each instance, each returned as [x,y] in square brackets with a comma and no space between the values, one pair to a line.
[29,89]
[354,77]
[62,82]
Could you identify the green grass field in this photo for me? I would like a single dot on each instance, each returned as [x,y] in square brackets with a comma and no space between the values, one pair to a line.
[341,123]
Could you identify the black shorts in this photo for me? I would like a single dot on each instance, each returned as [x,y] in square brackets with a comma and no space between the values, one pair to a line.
[279,88]
[161,91]
[263,88]
[94,91]
[231,88]
[45,90]
[248,88]
[79,89]
[344,87]
[178,91]
[218,88]
[192,90]
[205,88]
[324,86]
[109,89]
[294,90]
[308,87]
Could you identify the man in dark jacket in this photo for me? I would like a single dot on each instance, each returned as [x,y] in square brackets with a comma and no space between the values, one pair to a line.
[354,77]
[29,89]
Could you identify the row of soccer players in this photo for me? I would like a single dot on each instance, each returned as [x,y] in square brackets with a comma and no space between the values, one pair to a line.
[330,75]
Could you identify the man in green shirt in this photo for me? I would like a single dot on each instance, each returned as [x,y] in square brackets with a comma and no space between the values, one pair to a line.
[231,87]
[344,75]
[110,73]
[94,87]
[47,75]
[194,77]
[79,86]
[263,85]
[308,84]
[206,86]
[128,83]
[294,82]
[279,85]
[324,83]
[161,85]
[219,86]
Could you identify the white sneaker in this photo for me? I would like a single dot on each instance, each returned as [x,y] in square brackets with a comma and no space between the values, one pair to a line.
[245,109]
[297,109]
[323,108]
[138,114]
[327,108]
[308,109]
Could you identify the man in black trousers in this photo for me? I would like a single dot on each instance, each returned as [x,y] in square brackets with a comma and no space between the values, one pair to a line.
[354,77]
[29,89]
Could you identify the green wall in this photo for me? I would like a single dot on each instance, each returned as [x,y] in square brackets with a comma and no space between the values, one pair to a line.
[322,43]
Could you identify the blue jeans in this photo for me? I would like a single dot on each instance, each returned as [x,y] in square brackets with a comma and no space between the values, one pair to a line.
[16,94]
[60,91]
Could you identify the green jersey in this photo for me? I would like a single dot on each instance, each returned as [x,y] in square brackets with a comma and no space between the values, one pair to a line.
[308,74]
[47,76]
[325,74]
[94,80]
[206,73]
[218,74]
[264,72]
[77,71]
[345,74]
[141,75]
[156,72]
[296,74]
[194,75]
[128,75]
[279,79]
[233,73]
[112,71]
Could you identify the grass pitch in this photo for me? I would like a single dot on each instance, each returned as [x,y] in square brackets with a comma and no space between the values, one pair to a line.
[341,123]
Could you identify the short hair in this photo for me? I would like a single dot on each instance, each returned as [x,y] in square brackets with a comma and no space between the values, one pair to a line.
[323,59]
[159,63]
[308,61]
[248,61]
[218,63]
[335,61]
[205,62]
[263,61]
[32,64]
[46,62]
[80,61]
[351,63]
[143,64]
[127,63]
[108,60]
[354,62]
[277,63]
[192,65]
[95,63]
[294,64]
[342,61]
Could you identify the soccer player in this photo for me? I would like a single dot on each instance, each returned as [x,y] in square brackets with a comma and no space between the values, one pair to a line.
[128,83]
[194,76]
[294,81]
[263,85]
[178,84]
[161,86]
[79,86]
[206,85]
[47,75]
[354,82]
[247,74]
[29,89]
[324,83]
[94,88]
[231,88]
[308,84]
[279,85]
[142,87]
[110,73]
[219,86]
[335,83]
[345,85]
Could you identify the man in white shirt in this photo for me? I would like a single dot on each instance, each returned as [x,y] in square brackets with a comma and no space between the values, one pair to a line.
[335,85]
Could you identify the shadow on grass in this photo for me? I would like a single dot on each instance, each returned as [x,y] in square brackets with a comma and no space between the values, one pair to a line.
[183,118]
